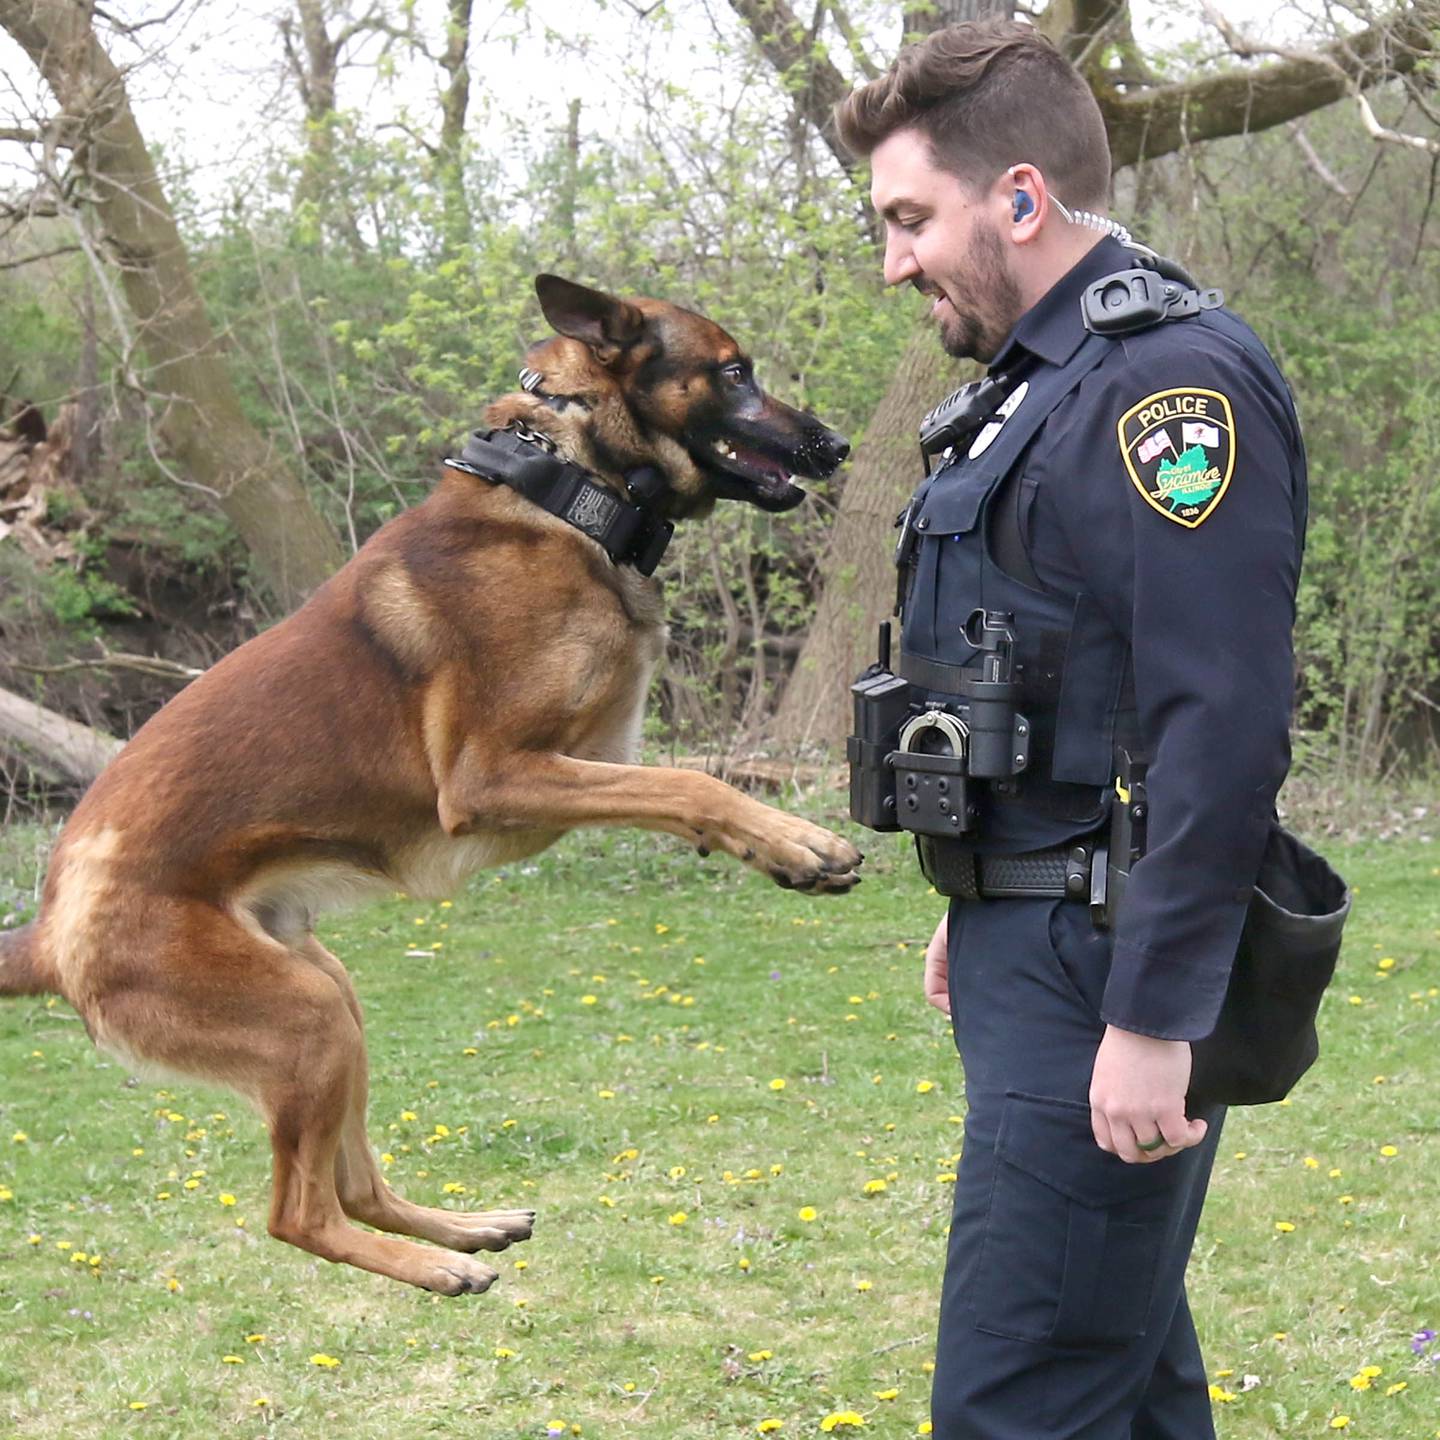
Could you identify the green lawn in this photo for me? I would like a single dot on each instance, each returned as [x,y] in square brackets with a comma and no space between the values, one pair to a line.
[700,1082]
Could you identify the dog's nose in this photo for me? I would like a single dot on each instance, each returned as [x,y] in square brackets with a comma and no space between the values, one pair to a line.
[837,446]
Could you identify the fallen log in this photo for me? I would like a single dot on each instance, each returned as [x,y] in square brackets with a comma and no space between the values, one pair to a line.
[53,743]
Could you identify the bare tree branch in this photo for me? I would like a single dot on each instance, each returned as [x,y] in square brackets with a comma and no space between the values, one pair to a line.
[838,13]
[1157,121]
[44,255]
[818,84]
[120,660]
[1326,175]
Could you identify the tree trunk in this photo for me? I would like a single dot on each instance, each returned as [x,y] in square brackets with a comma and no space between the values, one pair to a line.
[859,576]
[454,106]
[316,65]
[859,587]
[291,547]
[63,747]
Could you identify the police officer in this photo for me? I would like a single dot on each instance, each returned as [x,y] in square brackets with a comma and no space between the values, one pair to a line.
[1136,505]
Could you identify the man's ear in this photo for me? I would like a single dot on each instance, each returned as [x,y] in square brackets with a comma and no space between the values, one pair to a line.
[607,325]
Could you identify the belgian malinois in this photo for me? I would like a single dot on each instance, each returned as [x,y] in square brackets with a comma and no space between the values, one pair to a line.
[464,691]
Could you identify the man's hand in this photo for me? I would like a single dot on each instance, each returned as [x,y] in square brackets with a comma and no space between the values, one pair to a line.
[1137,1092]
[937,966]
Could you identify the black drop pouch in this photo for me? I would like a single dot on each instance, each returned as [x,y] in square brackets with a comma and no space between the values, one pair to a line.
[1265,1039]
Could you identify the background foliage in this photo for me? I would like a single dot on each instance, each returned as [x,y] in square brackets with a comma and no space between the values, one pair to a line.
[365,333]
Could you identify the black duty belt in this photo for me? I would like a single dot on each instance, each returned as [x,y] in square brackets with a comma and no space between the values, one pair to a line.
[1062,873]
[934,675]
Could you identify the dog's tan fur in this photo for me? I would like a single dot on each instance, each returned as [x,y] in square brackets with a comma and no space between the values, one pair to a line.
[468,688]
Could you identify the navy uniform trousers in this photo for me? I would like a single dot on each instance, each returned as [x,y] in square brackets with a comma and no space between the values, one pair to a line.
[1063,1314]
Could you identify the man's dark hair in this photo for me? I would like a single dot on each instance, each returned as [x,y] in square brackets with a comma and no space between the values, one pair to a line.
[988,94]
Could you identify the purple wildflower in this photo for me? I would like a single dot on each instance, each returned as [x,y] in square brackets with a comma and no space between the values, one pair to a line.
[1421,1341]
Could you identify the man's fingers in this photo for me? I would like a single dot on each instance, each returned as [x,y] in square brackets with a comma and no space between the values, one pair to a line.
[937,967]
[1100,1128]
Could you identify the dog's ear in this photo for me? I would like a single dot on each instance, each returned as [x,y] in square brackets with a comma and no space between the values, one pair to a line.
[607,325]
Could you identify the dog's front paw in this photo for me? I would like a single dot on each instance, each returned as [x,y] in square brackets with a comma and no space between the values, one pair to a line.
[800,856]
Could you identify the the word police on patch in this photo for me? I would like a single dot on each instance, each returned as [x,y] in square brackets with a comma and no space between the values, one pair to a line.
[1179,451]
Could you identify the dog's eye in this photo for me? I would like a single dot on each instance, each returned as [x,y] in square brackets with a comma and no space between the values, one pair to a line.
[735,373]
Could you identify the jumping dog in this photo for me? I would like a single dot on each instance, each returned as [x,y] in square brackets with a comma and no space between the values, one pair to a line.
[464,691]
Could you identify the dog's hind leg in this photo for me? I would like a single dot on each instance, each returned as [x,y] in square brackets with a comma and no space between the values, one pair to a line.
[214,1001]
[362,1189]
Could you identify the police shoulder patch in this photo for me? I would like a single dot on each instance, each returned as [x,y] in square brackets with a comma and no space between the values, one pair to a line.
[1178,446]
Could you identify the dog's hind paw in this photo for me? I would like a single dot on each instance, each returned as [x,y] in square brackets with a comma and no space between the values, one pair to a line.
[490,1229]
[460,1275]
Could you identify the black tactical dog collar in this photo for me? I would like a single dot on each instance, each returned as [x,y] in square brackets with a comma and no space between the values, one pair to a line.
[630,534]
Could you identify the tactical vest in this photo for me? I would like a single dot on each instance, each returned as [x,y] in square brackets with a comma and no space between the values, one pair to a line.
[1074,668]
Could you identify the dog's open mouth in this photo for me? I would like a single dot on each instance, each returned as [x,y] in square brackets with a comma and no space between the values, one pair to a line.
[741,472]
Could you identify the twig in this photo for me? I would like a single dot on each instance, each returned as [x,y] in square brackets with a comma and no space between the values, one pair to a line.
[119,660]
[1312,158]
[901,1344]
[45,255]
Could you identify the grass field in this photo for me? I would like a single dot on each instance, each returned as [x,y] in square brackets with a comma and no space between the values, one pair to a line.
[739,1125]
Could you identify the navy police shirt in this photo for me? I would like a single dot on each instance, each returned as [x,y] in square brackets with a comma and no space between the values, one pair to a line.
[1170,485]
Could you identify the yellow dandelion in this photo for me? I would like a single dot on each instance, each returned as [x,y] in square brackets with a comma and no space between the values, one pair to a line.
[139,1404]
[19,1137]
[325,1362]
[1397,1387]
[777,1084]
[1284,1226]
[225,1198]
[1339,1422]
[769,1425]
[1220,1395]
[1389,1151]
[924,1428]
[605,1094]
[256,1339]
[232,1359]
[408,1115]
[863,1285]
[679,1218]
[837,1418]
[875,1187]
[743,1262]
[890,1394]
[758,1357]
[6,1193]
[924,1087]
[807,1213]
[677,1172]
[503,1352]
[588,1000]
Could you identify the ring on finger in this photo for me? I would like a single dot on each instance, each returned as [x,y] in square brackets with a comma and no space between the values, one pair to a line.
[1150,1146]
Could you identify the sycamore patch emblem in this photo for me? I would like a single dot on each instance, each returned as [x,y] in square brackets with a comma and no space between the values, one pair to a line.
[1179,451]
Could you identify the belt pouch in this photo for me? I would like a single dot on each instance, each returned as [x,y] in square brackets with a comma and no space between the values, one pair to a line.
[1265,1038]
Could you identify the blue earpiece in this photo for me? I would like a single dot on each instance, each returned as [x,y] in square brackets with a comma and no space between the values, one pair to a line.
[1024,206]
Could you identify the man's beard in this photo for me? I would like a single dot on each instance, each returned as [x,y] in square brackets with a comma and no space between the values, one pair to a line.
[968,334]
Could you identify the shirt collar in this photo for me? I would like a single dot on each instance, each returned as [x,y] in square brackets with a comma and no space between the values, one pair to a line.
[1052,328]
